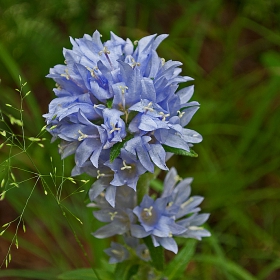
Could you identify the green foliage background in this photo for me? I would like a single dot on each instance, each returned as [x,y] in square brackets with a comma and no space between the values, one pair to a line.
[231,48]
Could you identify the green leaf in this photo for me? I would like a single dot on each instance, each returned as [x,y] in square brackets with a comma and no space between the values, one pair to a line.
[121,270]
[177,266]
[180,152]
[157,253]
[116,148]
[105,273]
[132,271]
[229,265]
[29,274]
[109,103]
[125,270]
[78,274]
[271,59]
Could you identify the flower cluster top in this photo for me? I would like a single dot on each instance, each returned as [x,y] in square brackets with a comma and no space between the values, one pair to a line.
[118,109]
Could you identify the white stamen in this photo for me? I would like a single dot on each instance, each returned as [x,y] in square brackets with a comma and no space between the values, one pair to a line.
[180,114]
[83,136]
[186,203]
[113,215]
[118,253]
[148,108]
[92,72]
[149,210]
[66,75]
[114,128]
[99,174]
[162,61]
[123,89]
[195,228]
[164,115]
[134,63]
[125,166]
[105,51]
[135,42]
[178,178]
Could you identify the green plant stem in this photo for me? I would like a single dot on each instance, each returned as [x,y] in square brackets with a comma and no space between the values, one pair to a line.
[143,184]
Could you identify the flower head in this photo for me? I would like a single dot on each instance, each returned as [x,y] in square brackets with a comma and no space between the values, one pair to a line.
[114,102]
[173,214]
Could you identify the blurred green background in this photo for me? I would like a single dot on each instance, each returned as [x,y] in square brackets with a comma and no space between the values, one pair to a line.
[231,49]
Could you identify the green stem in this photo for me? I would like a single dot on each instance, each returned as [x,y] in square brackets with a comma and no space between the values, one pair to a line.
[143,184]
[157,253]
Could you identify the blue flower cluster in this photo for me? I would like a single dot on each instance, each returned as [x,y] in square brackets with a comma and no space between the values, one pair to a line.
[117,109]
[173,214]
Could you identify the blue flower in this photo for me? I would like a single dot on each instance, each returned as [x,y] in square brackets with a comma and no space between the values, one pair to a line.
[120,253]
[114,126]
[127,169]
[118,217]
[110,95]
[117,253]
[140,249]
[173,214]
[183,207]
[155,221]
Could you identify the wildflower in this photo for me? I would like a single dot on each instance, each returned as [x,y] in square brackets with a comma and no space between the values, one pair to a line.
[119,106]
[155,221]
[173,214]
[117,253]
[118,218]
[120,253]
[183,206]
[140,249]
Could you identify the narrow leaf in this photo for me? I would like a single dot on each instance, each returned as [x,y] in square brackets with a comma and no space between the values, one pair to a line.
[132,271]
[27,274]
[122,270]
[229,265]
[180,152]
[116,149]
[109,103]
[177,266]
[78,274]
[157,253]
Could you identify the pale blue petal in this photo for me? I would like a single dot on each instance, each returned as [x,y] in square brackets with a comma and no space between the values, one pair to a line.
[138,231]
[158,154]
[169,244]
[110,195]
